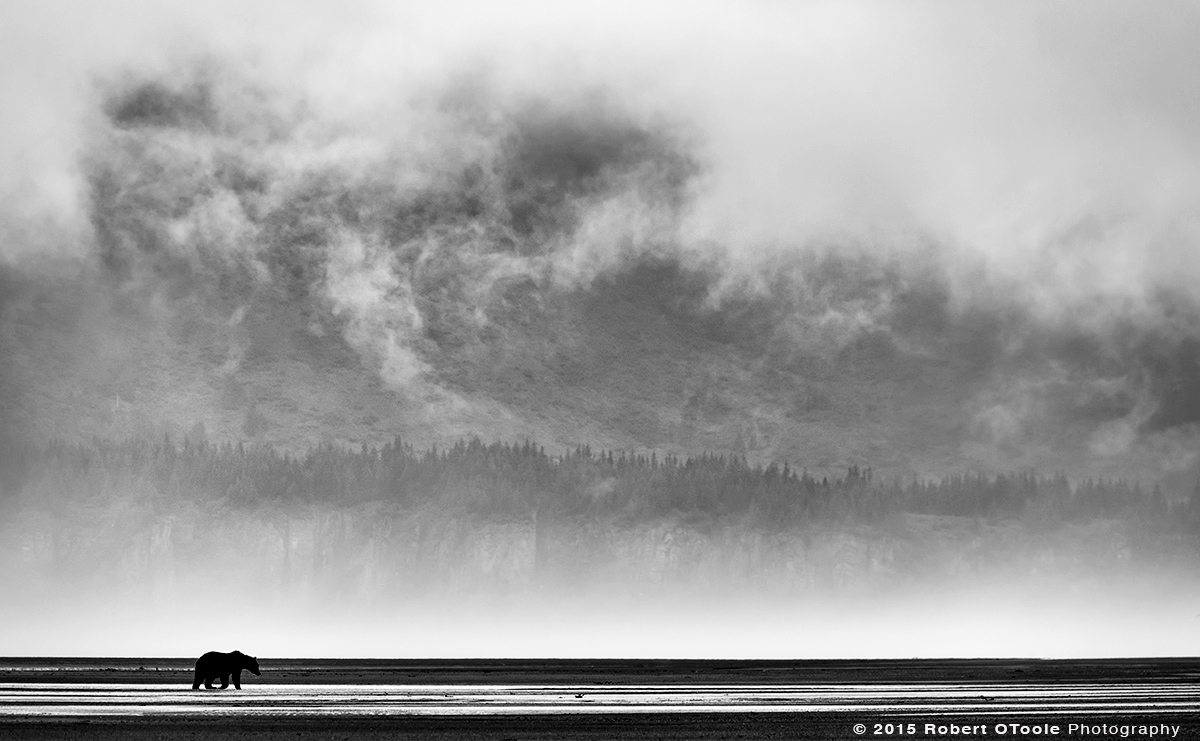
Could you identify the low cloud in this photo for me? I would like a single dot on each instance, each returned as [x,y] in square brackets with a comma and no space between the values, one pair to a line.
[1009,190]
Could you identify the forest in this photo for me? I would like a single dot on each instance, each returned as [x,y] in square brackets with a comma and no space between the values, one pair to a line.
[502,480]
[376,524]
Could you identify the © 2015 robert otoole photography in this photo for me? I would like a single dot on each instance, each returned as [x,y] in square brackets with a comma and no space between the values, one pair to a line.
[599,370]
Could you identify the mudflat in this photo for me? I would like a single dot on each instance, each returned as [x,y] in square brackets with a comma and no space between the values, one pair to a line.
[566,727]
[150,698]
[611,671]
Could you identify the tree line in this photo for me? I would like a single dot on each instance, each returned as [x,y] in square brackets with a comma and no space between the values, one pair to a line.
[521,479]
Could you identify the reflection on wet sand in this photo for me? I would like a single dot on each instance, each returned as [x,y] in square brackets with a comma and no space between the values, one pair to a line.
[587,699]
[123,699]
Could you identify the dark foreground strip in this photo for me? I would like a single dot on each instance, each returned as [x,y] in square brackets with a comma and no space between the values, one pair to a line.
[566,727]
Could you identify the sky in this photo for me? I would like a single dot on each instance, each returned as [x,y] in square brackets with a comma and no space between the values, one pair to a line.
[1002,131]
[1041,158]
[1052,147]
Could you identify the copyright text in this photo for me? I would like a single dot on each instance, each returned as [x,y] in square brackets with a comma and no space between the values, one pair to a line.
[1108,729]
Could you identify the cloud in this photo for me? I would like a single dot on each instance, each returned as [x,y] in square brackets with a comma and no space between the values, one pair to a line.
[998,130]
[1016,173]
[210,188]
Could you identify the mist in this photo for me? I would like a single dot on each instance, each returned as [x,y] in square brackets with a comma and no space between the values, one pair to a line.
[924,240]
[991,625]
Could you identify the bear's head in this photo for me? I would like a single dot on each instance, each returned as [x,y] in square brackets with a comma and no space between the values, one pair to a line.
[248,662]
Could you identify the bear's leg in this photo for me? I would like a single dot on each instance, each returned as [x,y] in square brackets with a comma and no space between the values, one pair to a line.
[237,679]
[224,681]
[208,682]
[196,682]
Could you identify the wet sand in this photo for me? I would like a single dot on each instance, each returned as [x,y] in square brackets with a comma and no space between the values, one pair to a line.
[491,699]
[611,671]
[565,727]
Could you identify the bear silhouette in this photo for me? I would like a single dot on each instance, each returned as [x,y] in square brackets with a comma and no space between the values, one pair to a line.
[217,665]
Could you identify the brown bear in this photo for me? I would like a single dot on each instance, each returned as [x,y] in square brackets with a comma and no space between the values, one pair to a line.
[215,664]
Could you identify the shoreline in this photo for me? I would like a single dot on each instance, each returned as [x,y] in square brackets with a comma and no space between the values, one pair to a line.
[171,670]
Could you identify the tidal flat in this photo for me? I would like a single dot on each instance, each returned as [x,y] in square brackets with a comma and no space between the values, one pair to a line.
[143,698]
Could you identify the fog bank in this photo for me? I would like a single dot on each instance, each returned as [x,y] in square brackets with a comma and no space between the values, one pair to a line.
[927,238]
